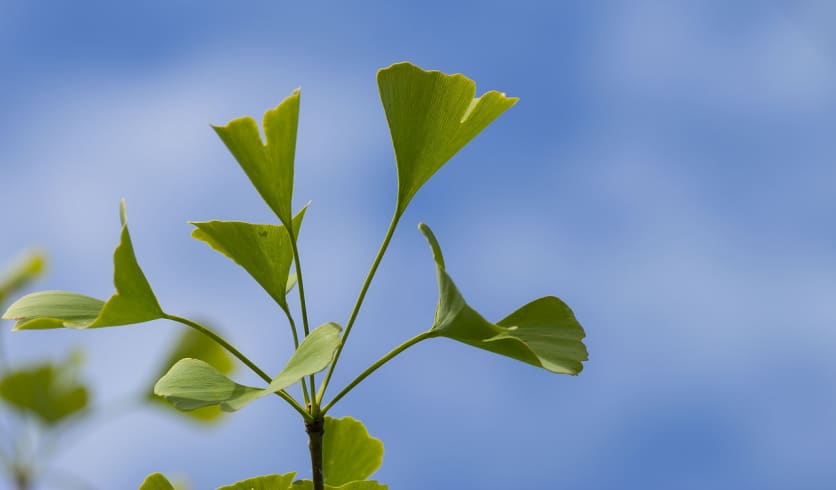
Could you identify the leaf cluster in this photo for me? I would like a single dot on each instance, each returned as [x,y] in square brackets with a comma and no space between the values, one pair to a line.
[431,117]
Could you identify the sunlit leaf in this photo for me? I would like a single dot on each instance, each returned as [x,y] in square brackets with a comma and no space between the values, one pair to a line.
[355,485]
[133,301]
[156,481]
[543,333]
[192,383]
[349,453]
[194,344]
[21,273]
[266,482]
[269,166]
[262,250]
[51,392]
[431,116]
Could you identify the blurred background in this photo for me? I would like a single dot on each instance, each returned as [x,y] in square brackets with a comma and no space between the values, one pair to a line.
[668,172]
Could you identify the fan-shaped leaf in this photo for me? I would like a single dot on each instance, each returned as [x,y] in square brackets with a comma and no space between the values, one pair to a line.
[431,116]
[543,333]
[262,250]
[50,392]
[156,481]
[192,383]
[269,166]
[349,453]
[266,482]
[133,301]
[194,344]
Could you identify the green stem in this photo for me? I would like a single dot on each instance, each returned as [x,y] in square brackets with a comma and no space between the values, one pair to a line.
[296,346]
[380,252]
[315,430]
[241,357]
[304,307]
[374,367]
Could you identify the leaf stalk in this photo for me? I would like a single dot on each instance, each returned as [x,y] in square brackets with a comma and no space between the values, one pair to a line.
[354,312]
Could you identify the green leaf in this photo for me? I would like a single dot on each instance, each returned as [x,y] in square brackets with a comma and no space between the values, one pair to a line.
[50,392]
[262,250]
[269,166]
[54,309]
[192,383]
[431,116]
[543,333]
[194,344]
[156,481]
[349,453]
[22,273]
[355,485]
[133,302]
[266,482]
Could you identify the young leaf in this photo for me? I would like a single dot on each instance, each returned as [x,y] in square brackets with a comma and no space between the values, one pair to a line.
[133,302]
[543,333]
[355,485]
[156,481]
[431,116]
[349,453]
[50,392]
[262,250]
[266,482]
[269,166]
[194,344]
[24,271]
[192,383]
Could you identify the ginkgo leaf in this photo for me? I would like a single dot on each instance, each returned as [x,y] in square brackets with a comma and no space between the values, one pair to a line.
[266,482]
[21,273]
[269,166]
[349,453]
[49,391]
[355,485]
[192,383]
[133,301]
[543,333]
[193,344]
[264,251]
[156,481]
[431,116]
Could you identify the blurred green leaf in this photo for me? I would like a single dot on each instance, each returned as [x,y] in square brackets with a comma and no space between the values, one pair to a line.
[431,116]
[133,302]
[543,333]
[21,273]
[269,166]
[262,250]
[191,383]
[349,453]
[266,482]
[194,344]
[355,485]
[51,392]
[156,481]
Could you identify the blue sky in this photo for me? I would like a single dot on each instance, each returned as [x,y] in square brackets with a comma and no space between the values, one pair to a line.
[668,172]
